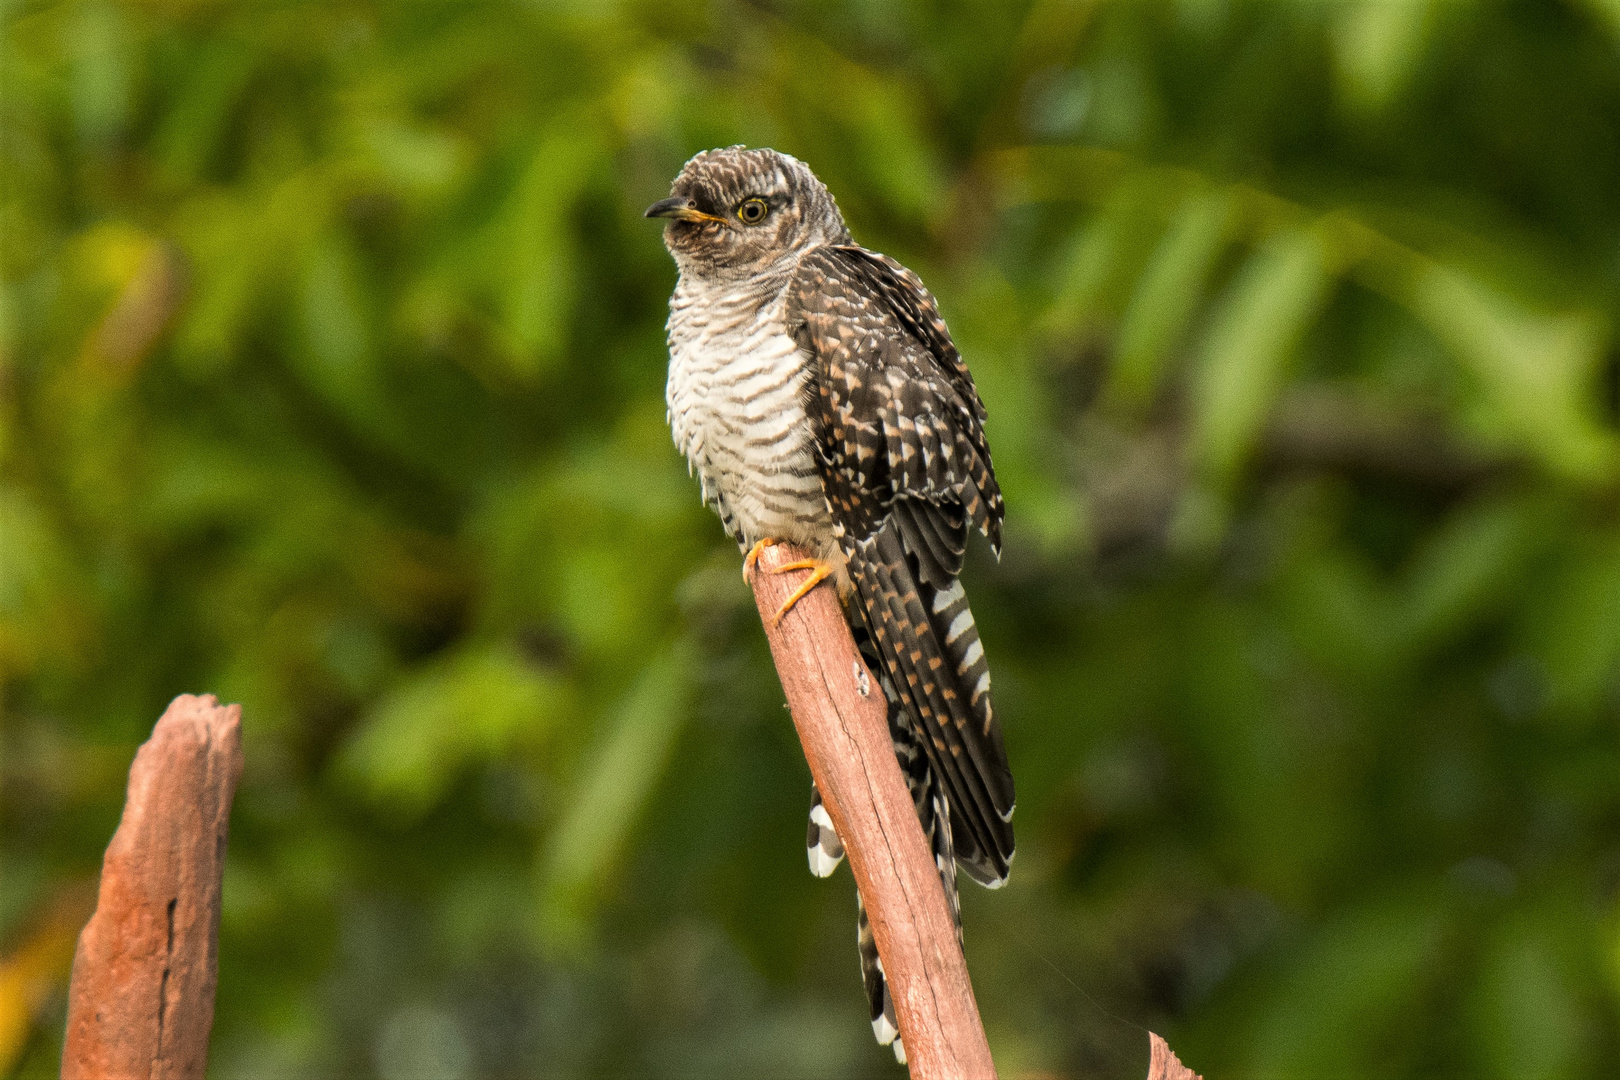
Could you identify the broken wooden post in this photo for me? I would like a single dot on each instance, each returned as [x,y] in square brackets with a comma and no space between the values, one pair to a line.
[1163,1063]
[141,1001]
[842,720]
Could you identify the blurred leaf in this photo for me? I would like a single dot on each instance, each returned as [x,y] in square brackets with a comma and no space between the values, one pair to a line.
[1576,632]
[39,616]
[1356,993]
[1528,1022]
[1607,12]
[109,254]
[36,969]
[1341,610]
[479,702]
[877,122]
[1167,293]
[539,235]
[617,779]
[1534,369]
[1378,47]
[99,39]
[1094,274]
[336,357]
[1256,328]
[194,126]
[1466,566]
[420,161]
[242,251]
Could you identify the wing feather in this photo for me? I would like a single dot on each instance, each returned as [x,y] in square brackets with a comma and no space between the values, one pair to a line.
[906,469]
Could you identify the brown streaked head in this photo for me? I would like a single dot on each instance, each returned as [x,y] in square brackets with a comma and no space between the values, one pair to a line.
[736,213]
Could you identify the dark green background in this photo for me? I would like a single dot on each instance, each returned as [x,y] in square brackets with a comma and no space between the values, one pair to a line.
[331,376]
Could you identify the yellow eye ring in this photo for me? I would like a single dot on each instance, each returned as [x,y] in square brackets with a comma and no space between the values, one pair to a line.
[752,211]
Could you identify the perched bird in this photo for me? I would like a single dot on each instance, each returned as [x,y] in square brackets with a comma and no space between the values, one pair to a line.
[817,395]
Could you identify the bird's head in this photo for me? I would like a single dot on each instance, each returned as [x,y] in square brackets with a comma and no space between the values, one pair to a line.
[737,213]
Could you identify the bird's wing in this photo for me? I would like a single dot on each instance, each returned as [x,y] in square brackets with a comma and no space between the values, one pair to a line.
[906,469]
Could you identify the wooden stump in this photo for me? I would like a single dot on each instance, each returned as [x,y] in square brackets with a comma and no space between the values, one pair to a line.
[141,1002]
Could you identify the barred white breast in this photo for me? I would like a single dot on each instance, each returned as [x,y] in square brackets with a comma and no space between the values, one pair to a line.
[736,381]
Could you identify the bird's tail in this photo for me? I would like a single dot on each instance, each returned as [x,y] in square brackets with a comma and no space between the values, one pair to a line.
[924,636]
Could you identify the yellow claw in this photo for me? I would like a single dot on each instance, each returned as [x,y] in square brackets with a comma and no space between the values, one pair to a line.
[820,572]
[754,553]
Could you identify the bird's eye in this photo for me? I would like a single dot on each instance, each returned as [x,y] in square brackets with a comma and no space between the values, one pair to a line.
[752,211]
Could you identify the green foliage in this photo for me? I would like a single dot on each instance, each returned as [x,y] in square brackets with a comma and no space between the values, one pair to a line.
[331,370]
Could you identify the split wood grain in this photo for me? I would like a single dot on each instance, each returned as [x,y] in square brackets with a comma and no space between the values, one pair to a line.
[141,1002]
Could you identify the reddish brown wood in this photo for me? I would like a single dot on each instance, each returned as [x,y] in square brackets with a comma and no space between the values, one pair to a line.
[1163,1063]
[839,712]
[141,1003]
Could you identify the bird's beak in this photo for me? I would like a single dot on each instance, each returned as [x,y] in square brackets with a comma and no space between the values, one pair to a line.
[681,209]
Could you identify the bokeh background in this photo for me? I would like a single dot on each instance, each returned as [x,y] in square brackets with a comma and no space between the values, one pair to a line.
[331,375]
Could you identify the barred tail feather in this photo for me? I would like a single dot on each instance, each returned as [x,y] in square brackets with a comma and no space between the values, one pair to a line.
[954,627]
[929,646]
[822,845]
[893,632]
[885,1025]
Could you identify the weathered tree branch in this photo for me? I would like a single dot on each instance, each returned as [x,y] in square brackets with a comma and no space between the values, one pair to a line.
[1163,1063]
[141,1002]
[841,718]
[840,715]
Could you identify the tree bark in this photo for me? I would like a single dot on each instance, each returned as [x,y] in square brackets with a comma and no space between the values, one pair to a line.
[840,715]
[1163,1063]
[141,1003]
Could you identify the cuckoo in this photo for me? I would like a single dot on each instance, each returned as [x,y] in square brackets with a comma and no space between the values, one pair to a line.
[819,398]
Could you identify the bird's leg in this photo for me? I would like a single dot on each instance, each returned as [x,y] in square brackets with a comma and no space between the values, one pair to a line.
[754,553]
[820,572]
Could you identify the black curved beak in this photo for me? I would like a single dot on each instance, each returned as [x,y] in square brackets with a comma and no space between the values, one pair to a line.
[680,209]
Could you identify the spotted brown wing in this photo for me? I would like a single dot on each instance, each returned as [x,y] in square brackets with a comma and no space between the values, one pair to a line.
[906,470]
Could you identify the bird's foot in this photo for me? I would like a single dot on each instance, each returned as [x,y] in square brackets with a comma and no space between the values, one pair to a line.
[820,572]
[754,553]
